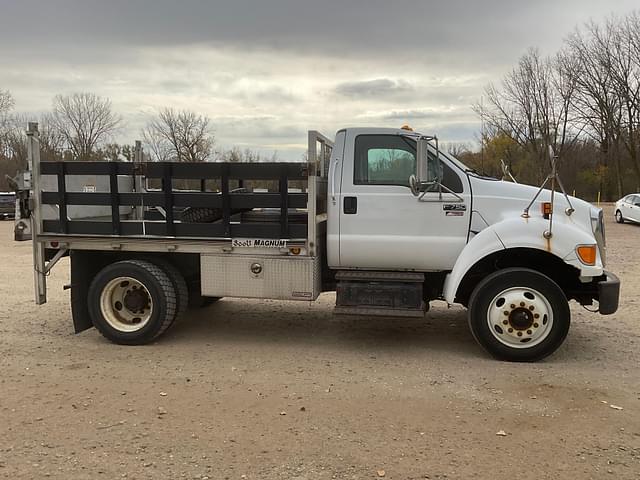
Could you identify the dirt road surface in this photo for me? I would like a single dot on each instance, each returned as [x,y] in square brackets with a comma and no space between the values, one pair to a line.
[268,390]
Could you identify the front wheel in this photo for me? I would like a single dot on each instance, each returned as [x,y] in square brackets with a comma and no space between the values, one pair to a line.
[518,314]
[619,217]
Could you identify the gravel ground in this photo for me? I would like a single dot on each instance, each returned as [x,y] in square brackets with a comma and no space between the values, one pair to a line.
[264,389]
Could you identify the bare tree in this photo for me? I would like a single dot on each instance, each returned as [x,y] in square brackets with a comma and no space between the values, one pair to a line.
[625,68]
[84,120]
[52,140]
[457,149]
[6,102]
[532,106]
[6,105]
[597,105]
[160,148]
[183,136]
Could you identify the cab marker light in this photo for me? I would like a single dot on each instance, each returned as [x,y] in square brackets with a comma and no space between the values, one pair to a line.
[546,209]
[587,254]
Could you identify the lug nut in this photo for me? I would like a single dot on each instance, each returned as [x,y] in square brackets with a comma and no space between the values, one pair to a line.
[529,332]
[505,322]
[536,315]
[536,325]
[510,330]
[506,313]
[513,305]
[531,308]
[519,334]
[522,304]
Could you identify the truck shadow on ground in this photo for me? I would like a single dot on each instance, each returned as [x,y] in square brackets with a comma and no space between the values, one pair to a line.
[250,323]
[272,322]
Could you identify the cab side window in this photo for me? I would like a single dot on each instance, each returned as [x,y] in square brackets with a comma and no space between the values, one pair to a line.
[384,160]
[390,160]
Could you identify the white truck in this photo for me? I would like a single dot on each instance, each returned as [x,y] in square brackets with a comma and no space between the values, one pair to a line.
[385,219]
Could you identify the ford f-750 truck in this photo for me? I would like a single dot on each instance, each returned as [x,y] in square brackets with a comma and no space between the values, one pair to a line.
[382,217]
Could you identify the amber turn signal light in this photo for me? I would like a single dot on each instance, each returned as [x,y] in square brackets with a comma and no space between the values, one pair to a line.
[546,209]
[587,254]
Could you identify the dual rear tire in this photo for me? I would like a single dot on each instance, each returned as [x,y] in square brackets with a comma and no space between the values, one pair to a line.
[133,302]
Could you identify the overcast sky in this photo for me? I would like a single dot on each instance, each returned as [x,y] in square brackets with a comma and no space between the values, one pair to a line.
[266,71]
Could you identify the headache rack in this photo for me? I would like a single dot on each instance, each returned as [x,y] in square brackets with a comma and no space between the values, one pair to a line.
[145,205]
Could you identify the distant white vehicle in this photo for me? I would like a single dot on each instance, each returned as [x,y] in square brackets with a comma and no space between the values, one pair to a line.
[628,208]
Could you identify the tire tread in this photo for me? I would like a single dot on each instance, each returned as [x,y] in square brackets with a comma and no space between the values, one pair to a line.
[167,290]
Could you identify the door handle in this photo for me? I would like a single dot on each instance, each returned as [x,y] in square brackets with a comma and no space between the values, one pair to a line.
[350,205]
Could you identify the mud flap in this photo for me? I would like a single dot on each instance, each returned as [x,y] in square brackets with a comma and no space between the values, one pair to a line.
[82,273]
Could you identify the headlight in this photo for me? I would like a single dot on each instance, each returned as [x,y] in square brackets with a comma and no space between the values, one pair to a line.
[597,225]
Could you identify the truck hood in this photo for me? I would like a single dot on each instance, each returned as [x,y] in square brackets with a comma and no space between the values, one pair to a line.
[496,200]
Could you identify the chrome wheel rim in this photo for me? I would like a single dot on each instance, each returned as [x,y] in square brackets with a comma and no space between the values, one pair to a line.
[618,216]
[520,317]
[126,304]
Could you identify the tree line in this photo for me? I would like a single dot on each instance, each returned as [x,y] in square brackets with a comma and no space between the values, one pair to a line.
[584,101]
[82,126]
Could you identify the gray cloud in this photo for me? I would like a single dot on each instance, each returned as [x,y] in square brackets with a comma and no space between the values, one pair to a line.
[265,72]
[368,88]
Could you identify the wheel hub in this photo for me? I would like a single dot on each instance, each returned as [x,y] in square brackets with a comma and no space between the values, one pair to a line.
[520,317]
[135,300]
[126,304]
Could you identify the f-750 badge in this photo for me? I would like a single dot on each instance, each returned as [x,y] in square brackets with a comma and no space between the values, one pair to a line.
[454,207]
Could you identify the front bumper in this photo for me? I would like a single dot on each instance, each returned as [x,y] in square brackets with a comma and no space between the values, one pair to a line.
[608,294]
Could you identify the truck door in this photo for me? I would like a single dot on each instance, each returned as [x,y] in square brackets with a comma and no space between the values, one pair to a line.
[384,226]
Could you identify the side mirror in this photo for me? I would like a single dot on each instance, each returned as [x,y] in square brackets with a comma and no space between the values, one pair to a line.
[422,159]
[428,168]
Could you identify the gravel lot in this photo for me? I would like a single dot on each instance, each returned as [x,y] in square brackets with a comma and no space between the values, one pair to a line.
[263,389]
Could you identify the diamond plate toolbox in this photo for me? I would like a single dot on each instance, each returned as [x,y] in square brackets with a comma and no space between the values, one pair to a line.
[260,276]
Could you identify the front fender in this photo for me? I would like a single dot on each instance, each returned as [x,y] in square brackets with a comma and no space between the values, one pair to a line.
[522,233]
[484,243]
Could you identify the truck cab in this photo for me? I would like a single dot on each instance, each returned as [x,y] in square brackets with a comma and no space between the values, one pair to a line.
[474,240]
[374,220]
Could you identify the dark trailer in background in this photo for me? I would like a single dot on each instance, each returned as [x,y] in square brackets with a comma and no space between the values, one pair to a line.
[7,205]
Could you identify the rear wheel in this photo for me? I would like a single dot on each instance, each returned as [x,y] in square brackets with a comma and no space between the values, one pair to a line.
[132,302]
[179,285]
[619,217]
[519,314]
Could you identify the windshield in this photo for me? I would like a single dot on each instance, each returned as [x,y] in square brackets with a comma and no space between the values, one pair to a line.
[453,160]
[432,150]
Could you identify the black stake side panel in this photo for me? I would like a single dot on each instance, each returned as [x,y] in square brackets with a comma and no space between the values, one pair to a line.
[237,171]
[159,229]
[167,198]
[204,200]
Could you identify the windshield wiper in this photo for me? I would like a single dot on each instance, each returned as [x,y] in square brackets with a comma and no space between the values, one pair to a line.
[479,174]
